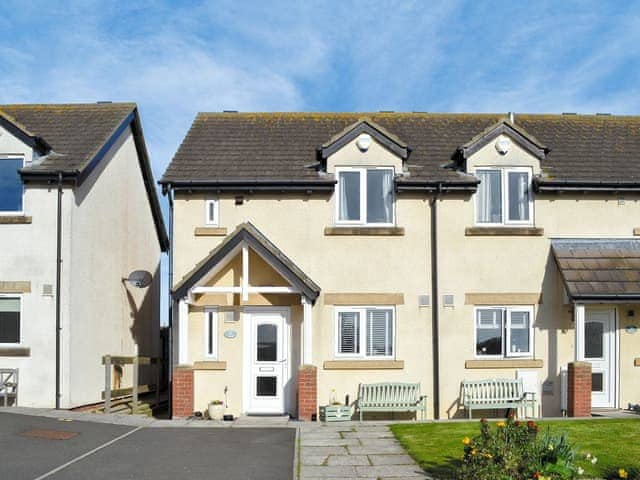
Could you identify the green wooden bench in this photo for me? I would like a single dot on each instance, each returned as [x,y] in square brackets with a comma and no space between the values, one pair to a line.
[391,397]
[497,393]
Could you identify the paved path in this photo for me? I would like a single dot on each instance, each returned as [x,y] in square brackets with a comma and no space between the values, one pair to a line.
[351,450]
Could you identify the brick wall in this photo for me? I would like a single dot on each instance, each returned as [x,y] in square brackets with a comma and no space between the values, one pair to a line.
[579,389]
[307,392]
[182,392]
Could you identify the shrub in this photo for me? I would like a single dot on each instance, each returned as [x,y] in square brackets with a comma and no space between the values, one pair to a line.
[513,450]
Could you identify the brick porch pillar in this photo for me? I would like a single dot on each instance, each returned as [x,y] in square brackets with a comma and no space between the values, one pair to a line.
[307,392]
[579,389]
[182,392]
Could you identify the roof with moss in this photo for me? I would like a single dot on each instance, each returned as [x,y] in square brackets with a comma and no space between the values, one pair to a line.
[74,132]
[261,147]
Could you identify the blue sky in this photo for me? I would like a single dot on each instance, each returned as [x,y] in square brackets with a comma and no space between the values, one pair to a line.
[177,58]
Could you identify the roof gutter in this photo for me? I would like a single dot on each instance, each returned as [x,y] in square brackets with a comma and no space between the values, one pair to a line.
[559,186]
[250,186]
[437,187]
[607,298]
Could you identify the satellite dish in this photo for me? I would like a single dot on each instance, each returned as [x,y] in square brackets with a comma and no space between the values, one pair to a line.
[140,278]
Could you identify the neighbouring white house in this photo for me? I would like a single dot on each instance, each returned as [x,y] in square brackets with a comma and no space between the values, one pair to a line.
[78,213]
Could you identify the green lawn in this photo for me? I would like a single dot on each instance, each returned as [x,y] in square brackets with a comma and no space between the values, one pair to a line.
[438,449]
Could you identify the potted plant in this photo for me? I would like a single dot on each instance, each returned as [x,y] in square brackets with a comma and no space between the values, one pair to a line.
[216,409]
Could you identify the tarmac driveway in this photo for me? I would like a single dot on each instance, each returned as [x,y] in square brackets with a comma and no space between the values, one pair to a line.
[38,447]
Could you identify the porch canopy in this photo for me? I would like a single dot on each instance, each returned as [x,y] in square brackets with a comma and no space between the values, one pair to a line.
[245,238]
[599,270]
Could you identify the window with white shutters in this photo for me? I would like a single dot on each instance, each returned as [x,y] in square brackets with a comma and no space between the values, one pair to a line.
[365,332]
[349,333]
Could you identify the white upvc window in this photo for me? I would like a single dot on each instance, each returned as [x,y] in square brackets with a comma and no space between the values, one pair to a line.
[365,196]
[11,186]
[211,212]
[211,333]
[503,331]
[10,319]
[365,332]
[504,196]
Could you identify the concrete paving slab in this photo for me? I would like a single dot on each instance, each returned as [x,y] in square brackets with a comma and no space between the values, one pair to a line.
[401,471]
[376,450]
[324,451]
[391,460]
[331,442]
[343,471]
[348,460]
[313,459]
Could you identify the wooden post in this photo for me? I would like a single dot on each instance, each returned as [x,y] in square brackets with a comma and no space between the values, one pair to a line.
[134,405]
[107,384]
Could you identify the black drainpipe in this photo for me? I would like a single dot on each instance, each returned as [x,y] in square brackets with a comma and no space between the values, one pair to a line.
[170,300]
[58,276]
[435,302]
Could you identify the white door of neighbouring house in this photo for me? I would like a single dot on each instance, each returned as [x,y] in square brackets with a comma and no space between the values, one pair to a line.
[267,355]
[598,346]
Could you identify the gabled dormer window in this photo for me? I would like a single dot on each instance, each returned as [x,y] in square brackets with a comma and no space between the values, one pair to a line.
[365,196]
[504,196]
[11,188]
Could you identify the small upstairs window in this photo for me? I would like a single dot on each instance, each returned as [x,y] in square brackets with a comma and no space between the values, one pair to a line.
[365,196]
[504,197]
[211,216]
[11,188]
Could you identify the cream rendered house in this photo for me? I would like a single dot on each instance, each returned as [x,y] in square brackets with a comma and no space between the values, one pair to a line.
[435,248]
[78,214]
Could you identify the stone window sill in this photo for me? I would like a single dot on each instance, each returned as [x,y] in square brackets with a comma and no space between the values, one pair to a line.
[506,363]
[365,231]
[364,365]
[14,220]
[504,231]
[15,351]
[210,231]
[210,365]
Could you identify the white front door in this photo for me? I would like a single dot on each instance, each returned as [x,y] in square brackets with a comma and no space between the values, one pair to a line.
[268,362]
[598,346]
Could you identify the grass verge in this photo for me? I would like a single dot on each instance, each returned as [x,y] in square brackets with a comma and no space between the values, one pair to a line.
[438,449]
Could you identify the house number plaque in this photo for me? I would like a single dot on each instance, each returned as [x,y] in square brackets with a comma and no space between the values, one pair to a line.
[230,334]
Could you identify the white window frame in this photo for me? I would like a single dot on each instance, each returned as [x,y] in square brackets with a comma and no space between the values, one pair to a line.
[506,331]
[15,212]
[21,324]
[363,198]
[504,176]
[362,310]
[211,318]
[215,221]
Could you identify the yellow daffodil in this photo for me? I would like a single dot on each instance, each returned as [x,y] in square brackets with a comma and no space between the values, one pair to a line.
[622,473]
[466,441]
[500,424]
